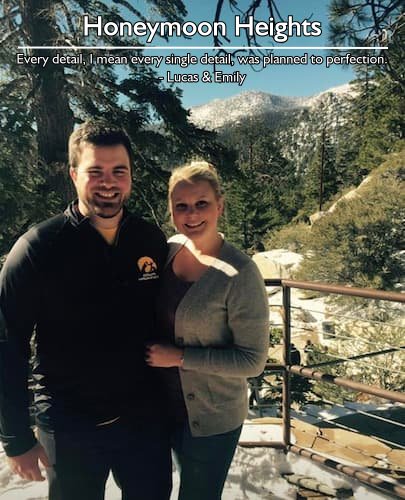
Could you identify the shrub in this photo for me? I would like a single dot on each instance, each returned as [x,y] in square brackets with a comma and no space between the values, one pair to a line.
[292,237]
[359,243]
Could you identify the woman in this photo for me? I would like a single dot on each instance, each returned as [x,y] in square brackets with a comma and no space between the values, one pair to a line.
[213,321]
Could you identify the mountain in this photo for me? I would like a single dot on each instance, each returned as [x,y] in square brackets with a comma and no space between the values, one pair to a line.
[297,123]
[220,113]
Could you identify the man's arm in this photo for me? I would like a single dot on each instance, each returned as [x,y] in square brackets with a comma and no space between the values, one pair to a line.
[18,298]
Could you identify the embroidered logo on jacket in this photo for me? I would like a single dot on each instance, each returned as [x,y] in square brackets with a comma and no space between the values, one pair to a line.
[147,266]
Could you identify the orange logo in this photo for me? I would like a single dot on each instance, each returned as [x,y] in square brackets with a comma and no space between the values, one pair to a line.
[147,265]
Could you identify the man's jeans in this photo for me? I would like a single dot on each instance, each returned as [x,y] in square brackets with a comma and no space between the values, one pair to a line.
[138,454]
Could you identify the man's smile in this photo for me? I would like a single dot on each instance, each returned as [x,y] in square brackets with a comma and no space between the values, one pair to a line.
[108,195]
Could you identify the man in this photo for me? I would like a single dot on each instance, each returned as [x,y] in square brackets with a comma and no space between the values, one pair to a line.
[295,355]
[84,281]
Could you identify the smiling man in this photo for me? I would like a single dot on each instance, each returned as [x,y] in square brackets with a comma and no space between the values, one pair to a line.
[85,282]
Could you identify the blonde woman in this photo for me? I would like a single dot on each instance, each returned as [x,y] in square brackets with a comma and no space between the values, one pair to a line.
[213,328]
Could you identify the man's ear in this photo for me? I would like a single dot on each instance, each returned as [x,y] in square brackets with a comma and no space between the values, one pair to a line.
[221,204]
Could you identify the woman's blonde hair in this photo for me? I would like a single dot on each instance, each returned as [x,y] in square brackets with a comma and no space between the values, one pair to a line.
[194,172]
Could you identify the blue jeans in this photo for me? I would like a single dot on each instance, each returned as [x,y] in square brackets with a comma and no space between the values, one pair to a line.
[203,462]
[138,454]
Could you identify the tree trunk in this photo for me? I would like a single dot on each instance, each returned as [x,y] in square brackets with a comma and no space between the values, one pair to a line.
[54,118]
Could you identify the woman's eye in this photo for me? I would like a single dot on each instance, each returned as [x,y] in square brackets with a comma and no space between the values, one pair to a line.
[181,207]
[201,204]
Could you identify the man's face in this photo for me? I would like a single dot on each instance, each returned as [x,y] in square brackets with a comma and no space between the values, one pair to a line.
[102,179]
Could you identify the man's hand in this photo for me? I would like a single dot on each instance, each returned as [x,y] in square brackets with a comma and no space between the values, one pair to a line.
[27,464]
[164,355]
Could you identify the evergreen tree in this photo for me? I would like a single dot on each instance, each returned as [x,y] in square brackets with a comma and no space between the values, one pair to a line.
[348,144]
[321,178]
[376,126]
[380,124]
[56,96]
[260,197]
[346,150]
[372,23]
[18,181]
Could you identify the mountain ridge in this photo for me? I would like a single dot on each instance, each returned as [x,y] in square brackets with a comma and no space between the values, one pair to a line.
[221,112]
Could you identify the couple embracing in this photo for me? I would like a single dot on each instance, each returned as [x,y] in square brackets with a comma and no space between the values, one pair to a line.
[136,346]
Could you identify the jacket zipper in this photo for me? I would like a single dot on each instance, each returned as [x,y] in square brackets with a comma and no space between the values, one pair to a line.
[115,244]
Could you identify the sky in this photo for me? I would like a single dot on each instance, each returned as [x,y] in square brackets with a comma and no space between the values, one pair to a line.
[285,80]
[279,79]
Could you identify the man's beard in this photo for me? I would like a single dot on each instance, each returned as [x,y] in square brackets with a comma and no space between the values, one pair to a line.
[107,209]
[109,205]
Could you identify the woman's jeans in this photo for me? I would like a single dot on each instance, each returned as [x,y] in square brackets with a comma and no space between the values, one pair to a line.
[203,462]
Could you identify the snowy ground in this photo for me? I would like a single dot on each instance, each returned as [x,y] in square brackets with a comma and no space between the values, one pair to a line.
[255,474]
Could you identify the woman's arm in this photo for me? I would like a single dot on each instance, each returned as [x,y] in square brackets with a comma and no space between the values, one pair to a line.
[248,319]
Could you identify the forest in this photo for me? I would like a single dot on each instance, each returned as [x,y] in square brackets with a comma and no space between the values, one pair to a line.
[271,190]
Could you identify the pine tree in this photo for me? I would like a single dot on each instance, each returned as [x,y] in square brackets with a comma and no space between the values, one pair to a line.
[18,178]
[321,178]
[259,197]
[382,121]
[372,23]
[56,96]
[376,126]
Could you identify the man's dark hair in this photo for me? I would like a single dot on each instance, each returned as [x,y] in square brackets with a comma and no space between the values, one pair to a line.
[97,133]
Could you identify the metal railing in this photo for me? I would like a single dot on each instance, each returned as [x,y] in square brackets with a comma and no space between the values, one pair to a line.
[387,485]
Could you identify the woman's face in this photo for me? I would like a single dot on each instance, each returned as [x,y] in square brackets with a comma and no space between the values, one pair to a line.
[196,209]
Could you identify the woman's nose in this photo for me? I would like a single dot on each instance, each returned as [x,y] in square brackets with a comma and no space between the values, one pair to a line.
[191,209]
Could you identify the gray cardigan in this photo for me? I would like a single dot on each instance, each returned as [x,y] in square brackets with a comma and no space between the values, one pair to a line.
[223,324]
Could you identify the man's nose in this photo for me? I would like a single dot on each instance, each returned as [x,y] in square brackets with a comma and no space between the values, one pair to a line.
[107,180]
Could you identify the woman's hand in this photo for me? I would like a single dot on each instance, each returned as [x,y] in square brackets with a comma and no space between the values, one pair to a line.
[164,355]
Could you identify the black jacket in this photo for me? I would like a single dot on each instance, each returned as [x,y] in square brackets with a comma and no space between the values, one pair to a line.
[91,307]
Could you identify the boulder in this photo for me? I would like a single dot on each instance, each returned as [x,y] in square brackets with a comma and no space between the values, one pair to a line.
[278,263]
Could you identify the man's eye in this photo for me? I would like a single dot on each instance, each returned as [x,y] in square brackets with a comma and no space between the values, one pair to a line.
[94,173]
[121,173]
[181,207]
